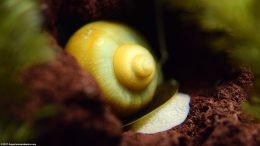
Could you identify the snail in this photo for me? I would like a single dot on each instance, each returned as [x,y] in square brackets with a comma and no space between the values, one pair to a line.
[128,76]
[120,61]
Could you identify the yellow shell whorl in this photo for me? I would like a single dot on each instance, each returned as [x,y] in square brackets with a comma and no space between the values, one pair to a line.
[113,54]
[134,66]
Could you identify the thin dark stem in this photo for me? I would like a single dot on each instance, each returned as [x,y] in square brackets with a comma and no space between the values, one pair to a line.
[160,31]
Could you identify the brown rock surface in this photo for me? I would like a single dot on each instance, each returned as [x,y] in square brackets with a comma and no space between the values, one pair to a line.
[62,17]
[81,116]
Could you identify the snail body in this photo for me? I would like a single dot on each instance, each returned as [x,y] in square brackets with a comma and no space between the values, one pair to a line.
[118,58]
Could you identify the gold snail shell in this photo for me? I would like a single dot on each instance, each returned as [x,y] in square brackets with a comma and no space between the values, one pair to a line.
[118,58]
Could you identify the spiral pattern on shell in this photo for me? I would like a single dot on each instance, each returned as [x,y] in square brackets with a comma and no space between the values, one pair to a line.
[117,58]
